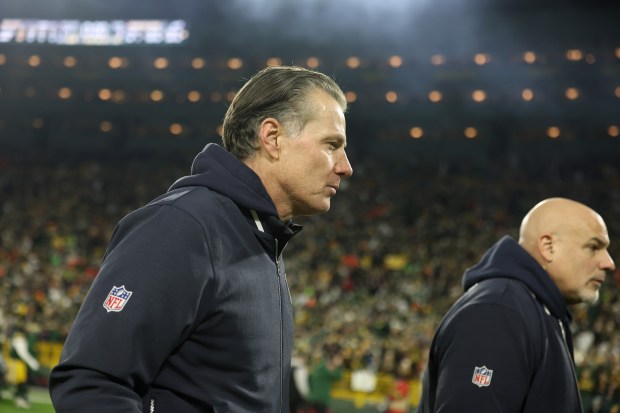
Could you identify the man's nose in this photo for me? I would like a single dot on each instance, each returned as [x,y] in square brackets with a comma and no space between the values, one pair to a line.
[343,166]
[608,263]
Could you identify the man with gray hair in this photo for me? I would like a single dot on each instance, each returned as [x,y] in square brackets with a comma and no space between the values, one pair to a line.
[506,345]
[191,310]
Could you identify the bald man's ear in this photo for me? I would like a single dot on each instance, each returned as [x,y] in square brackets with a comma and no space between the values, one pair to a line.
[545,247]
[269,136]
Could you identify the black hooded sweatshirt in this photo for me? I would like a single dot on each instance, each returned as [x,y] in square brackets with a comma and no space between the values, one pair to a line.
[505,345]
[190,311]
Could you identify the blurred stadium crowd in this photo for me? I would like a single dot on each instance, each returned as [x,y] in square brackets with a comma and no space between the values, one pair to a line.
[370,280]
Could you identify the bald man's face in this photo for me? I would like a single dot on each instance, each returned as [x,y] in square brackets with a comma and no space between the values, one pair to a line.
[580,258]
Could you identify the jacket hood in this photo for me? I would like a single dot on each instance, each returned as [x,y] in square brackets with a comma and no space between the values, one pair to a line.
[507,259]
[220,171]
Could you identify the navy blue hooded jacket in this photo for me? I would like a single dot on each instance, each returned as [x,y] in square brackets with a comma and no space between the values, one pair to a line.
[505,345]
[190,311]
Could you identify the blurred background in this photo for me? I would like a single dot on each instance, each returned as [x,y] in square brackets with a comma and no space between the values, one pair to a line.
[463,115]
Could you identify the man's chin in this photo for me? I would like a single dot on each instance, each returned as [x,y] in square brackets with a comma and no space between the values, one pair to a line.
[590,297]
[321,208]
[310,210]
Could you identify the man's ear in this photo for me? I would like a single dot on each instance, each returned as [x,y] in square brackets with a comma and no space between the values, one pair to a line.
[545,247]
[269,134]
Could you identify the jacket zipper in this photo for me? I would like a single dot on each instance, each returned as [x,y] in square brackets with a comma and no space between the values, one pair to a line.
[572,362]
[279,276]
[572,365]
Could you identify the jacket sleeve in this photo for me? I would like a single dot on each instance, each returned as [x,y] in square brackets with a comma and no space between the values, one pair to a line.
[484,358]
[113,352]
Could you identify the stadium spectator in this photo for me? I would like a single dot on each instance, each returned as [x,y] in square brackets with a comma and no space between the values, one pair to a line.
[21,363]
[299,383]
[326,370]
[398,400]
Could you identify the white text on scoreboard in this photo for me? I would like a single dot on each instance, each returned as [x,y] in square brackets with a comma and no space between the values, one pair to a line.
[93,32]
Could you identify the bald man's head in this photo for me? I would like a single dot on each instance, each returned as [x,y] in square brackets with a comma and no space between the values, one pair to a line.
[569,240]
[551,216]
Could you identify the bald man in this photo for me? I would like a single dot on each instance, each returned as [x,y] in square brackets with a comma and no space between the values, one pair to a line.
[505,345]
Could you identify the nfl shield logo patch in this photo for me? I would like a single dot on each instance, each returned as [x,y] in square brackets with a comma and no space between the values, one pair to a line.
[482,376]
[116,299]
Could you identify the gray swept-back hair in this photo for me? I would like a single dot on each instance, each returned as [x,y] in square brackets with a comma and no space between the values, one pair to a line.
[279,92]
